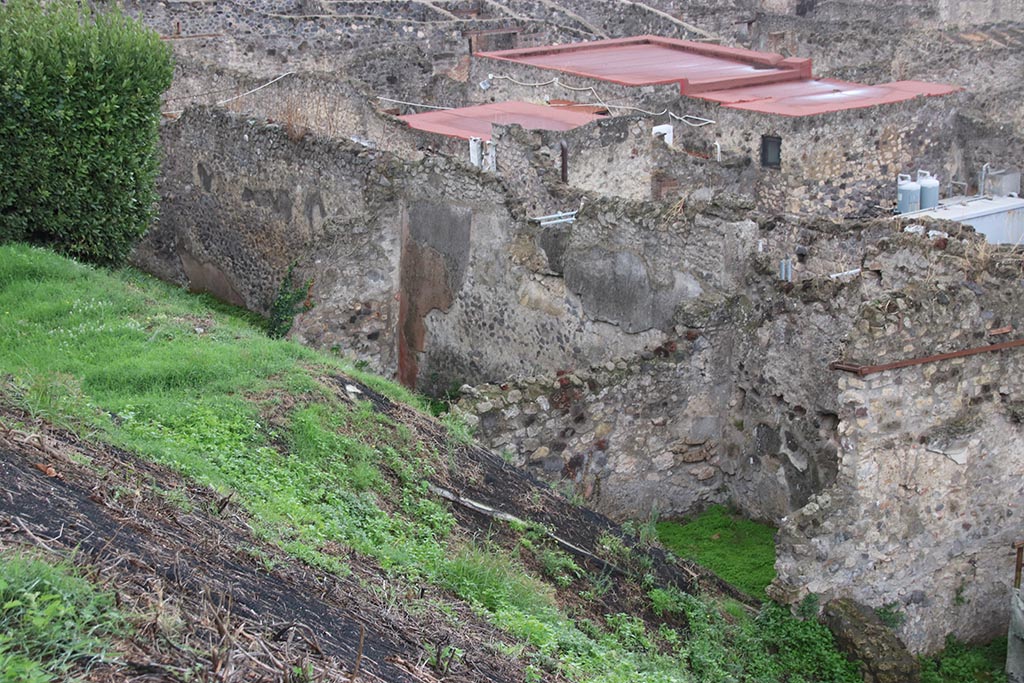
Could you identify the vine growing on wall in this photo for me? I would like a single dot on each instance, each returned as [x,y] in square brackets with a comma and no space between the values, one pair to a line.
[291,300]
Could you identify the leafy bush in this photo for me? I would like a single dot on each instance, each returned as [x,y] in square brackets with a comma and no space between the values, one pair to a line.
[51,621]
[961,663]
[79,111]
[291,300]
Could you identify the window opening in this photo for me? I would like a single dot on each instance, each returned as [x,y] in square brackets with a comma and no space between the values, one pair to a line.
[771,151]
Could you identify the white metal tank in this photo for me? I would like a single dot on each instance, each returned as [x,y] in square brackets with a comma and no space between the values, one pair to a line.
[929,189]
[908,194]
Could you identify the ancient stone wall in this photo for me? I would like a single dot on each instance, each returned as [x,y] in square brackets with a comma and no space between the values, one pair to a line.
[924,509]
[301,102]
[731,404]
[838,165]
[395,47]
[647,355]
[237,211]
[392,283]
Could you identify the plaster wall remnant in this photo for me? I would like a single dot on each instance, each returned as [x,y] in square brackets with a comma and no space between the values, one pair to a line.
[1015,650]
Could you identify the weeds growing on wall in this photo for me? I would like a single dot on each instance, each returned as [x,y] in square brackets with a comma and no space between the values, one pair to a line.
[79,110]
[291,300]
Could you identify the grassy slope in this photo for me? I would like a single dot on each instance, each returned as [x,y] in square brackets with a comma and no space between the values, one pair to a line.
[190,384]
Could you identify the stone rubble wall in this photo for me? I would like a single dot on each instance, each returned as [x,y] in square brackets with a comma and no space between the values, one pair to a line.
[731,405]
[237,210]
[301,102]
[926,503]
[835,165]
[652,357]
[393,45]
[983,59]
[411,261]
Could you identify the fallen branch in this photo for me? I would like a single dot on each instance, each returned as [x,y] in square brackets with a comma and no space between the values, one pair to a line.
[493,513]
[39,541]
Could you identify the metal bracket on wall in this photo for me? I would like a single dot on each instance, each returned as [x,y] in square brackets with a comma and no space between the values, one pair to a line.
[1019,547]
[556,218]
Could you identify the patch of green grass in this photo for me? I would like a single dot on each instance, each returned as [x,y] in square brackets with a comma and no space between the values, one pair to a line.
[961,663]
[53,623]
[740,551]
[495,582]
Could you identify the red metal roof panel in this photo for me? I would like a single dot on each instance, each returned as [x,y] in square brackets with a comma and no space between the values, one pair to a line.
[733,77]
[809,97]
[468,122]
[651,60]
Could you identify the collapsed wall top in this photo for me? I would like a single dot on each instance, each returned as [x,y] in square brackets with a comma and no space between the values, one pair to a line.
[470,122]
[733,77]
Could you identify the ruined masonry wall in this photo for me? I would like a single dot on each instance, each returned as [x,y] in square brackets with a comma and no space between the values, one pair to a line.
[411,261]
[928,496]
[237,210]
[841,164]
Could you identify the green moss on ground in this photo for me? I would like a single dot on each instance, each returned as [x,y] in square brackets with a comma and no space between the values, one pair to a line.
[740,551]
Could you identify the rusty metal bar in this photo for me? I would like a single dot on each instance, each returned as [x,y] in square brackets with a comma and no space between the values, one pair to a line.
[1019,546]
[863,370]
[194,35]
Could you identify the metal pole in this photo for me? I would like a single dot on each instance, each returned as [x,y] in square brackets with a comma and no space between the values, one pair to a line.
[564,147]
[1019,545]
[872,369]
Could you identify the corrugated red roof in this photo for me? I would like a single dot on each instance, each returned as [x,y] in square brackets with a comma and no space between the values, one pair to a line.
[468,122]
[733,77]
[652,60]
[808,97]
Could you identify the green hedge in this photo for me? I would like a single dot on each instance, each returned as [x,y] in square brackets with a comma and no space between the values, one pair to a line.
[79,116]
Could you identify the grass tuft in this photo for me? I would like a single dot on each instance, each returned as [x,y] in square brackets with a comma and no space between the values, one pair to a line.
[52,622]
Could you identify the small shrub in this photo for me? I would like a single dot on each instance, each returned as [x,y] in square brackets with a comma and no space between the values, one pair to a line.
[666,601]
[809,606]
[804,649]
[559,567]
[961,663]
[629,631]
[891,615]
[79,111]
